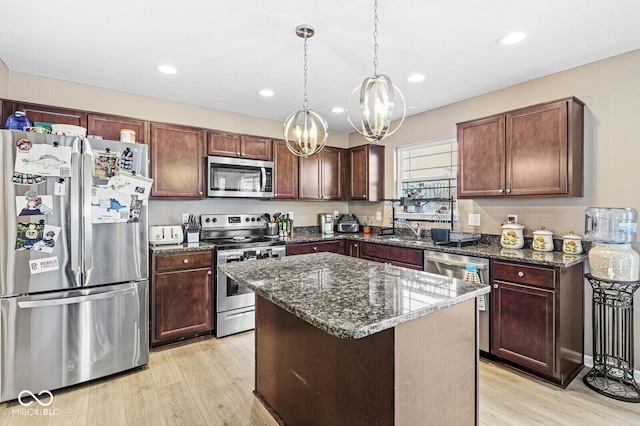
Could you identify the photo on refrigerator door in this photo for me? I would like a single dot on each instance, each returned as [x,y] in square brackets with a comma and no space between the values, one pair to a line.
[34,204]
[50,235]
[28,235]
[106,165]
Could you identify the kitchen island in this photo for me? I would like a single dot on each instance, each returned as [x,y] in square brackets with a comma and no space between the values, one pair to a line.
[341,340]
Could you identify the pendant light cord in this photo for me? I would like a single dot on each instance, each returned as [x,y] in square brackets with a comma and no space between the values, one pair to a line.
[305,104]
[375,37]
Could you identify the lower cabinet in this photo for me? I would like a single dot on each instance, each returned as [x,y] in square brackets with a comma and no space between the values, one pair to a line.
[316,247]
[181,296]
[537,319]
[399,256]
[350,248]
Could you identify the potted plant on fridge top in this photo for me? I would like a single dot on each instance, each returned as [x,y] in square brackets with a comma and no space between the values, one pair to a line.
[366,228]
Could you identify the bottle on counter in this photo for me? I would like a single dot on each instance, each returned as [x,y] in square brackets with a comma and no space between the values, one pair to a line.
[280,227]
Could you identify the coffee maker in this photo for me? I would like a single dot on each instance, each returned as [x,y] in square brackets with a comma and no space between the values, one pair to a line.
[326,223]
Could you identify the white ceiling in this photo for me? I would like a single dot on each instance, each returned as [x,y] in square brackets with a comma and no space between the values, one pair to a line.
[226,51]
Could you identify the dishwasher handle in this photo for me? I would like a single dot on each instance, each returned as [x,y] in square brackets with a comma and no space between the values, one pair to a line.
[452,262]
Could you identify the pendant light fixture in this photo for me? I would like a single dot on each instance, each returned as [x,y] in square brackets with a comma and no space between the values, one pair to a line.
[305,131]
[377,99]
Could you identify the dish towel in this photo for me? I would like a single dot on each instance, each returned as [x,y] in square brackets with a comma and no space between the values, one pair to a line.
[471,275]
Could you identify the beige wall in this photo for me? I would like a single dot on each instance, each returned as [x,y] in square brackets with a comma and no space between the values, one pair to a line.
[611,92]
[4,80]
[30,88]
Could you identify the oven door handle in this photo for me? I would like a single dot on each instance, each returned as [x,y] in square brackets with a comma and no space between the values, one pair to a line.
[449,262]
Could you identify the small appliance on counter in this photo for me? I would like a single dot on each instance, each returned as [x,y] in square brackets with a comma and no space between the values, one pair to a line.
[165,234]
[326,223]
[348,223]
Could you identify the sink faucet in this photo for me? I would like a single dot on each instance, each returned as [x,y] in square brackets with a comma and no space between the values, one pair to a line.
[417,231]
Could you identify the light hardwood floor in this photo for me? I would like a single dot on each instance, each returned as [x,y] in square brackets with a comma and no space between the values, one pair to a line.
[210,382]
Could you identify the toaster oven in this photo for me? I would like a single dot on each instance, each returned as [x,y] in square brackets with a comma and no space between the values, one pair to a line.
[348,223]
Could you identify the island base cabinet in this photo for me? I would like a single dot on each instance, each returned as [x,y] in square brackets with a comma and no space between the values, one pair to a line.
[420,372]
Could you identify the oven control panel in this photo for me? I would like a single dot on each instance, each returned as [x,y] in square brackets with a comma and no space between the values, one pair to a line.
[232,221]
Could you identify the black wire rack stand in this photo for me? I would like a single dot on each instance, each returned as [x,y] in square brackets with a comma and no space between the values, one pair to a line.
[613,363]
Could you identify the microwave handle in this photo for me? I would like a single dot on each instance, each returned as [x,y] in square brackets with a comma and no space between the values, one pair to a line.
[263,170]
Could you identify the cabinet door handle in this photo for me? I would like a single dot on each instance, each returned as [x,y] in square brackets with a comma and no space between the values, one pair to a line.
[521,274]
[500,190]
[185,261]
[495,286]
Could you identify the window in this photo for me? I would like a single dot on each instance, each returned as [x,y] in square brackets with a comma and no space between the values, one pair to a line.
[428,170]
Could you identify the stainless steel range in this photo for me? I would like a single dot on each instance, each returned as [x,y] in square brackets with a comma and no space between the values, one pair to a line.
[238,238]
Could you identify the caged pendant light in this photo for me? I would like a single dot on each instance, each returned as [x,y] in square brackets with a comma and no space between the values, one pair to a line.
[305,131]
[377,99]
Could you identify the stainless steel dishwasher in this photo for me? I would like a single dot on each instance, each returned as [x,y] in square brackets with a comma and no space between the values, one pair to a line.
[455,266]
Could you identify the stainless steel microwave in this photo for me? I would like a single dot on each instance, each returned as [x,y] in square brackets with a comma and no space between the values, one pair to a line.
[239,178]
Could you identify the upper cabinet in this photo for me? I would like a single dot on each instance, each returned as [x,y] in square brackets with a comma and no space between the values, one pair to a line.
[177,161]
[321,175]
[366,173]
[234,145]
[109,127]
[46,114]
[534,151]
[285,164]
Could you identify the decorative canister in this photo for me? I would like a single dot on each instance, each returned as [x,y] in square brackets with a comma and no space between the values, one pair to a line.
[572,243]
[542,240]
[127,135]
[615,262]
[17,121]
[512,237]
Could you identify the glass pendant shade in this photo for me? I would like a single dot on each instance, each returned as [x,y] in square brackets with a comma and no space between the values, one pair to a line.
[305,132]
[377,103]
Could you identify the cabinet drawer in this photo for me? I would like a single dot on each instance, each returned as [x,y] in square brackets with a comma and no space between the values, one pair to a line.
[178,261]
[318,247]
[392,254]
[516,272]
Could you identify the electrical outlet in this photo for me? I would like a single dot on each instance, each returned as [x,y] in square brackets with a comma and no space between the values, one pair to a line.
[378,215]
[512,218]
[185,217]
[336,213]
[291,215]
[474,219]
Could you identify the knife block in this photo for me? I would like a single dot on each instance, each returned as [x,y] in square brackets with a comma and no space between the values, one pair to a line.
[193,237]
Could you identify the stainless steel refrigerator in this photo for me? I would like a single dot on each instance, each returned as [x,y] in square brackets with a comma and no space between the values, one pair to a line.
[73,283]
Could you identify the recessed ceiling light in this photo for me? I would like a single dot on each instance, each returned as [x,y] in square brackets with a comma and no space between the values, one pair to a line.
[511,38]
[337,110]
[166,69]
[266,93]
[415,78]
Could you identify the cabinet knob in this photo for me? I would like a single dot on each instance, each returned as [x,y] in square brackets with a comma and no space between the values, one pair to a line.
[315,248]
[238,153]
[242,154]
[209,273]
[364,196]
[508,191]
[500,190]
[199,192]
[355,245]
[521,274]
[495,286]
[185,261]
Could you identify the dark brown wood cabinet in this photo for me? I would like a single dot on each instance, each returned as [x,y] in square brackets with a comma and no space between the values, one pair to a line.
[242,146]
[332,246]
[177,161]
[285,164]
[533,151]
[366,173]
[181,296]
[537,319]
[350,248]
[45,113]
[109,126]
[394,255]
[321,175]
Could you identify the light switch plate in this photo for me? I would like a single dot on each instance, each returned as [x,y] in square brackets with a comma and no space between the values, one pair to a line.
[378,215]
[474,219]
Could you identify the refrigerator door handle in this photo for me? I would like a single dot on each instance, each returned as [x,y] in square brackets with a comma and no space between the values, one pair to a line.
[75,198]
[87,176]
[77,299]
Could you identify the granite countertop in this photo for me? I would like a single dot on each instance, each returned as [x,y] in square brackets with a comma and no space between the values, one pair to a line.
[486,250]
[349,297]
[177,248]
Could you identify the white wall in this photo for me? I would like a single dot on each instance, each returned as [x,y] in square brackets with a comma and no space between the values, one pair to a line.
[4,81]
